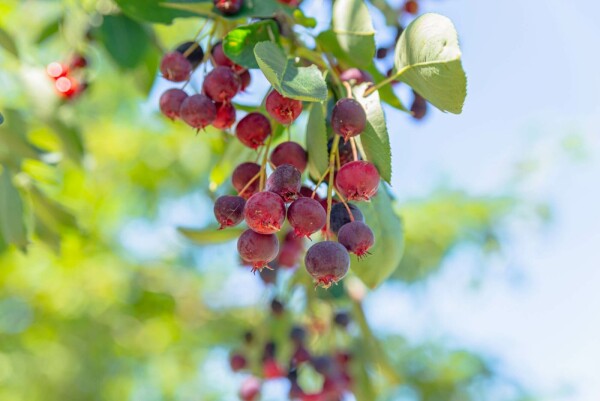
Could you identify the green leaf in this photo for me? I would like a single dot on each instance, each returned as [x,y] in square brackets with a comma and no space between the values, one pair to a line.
[125,40]
[239,43]
[13,136]
[70,138]
[386,92]
[428,59]
[354,30]
[250,8]
[302,83]
[374,139]
[1,119]
[12,223]
[210,235]
[49,30]
[387,252]
[302,19]
[316,141]
[152,10]
[8,43]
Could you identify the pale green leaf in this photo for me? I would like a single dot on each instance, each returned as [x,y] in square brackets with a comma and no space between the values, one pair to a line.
[210,235]
[154,10]
[12,223]
[316,141]
[8,43]
[239,43]
[354,30]
[386,92]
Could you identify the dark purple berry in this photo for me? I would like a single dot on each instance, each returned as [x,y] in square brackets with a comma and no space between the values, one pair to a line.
[340,216]
[348,118]
[323,364]
[285,181]
[356,76]
[300,355]
[283,109]
[277,307]
[345,152]
[268,276]
[175,67]
[418,107]
[327,262]
[253,129]
[228,7]
[237,362]
[198,111]
[306,216]
[221,84]
[229,210]
[342,319]
[358,180]
[259,249]
[170,102]
[241,177]
[195,55]
[225,116]
[298,335]
[290,153]
[357,237]
[265,213]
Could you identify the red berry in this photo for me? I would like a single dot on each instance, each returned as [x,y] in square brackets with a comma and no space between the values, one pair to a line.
[250,389]
[170,102]
[175,67]
[290,251]
[283,109]
[229,210]
[306,216]
[198,111]
[228,7]
[418,107]
[259,249]
[237,362]
[195,56]
[356,75]
[358,180]
[253,129]
[221,84]
[307,192]
[357,237]
[56,70]
[241,177]
[67,86]
[348,118]
[265,213]
[340,216]
[411,7]
[290,153]
[285,181]
[292,3]
[327,262]
[300,355]
[268,276]
[225,116]
[272,370]
[220,59]
[245,77]
[78,61]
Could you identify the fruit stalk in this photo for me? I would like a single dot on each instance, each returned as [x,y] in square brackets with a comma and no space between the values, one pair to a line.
[334,151]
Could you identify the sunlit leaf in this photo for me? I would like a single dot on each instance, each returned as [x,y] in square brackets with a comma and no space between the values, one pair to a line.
[239,43]
[8,43]
[12,223]
[354,30]
[316,141]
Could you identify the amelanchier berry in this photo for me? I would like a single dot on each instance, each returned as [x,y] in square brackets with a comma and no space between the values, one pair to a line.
[221,84]
[290,153]
[356,76]
[242,175]
[345,152]
[411,7]
[220,59]
[357,237]
[285,181]
[348,118]
[245,78]
[237,362]
[175,67]
[229,210]
[283,109]
[258,249]
[327,262]
[340,217]
[250,389]
[265,213]
[225,116]
[228,7]
[194,56]
[418,107]
[198,111]
[306,216]
[358,180]
[253,129]
[170,102]
[290,251]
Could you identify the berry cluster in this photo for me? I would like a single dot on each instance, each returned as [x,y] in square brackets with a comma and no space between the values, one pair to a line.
[68,77]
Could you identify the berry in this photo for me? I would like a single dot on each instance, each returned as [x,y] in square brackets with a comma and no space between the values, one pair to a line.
[285,181]
[78,61]
[175,67]
[198,111]
[250,389]
[277,307]
[307,192]
[340,216]
[195,57]
[342,319]
[356,75]
[253,129]
[357,237]
[291,250]
[170,102]
[306,216]
[229,210]
[237,362]
[271,369]
[345,152]
[56,70]
[418,107]
[268,276]
[327,262]
[225,116]
[220,59]
[323,365]
[348,118]
[298,335]
[290,153]
[300,355]
[245,77]
[242,175]
[67,86]
[283,109]
[259,249]
[265,213]
[292,3]
[221,84]
[228,7]
[411,7]
[358,180]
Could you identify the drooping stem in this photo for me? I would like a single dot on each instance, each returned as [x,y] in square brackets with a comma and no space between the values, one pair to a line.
[348,89]
[263,165]
[379,85]
[345,202]
[319,182]
[354,153]
[334,150]
[252,180]
[195,45]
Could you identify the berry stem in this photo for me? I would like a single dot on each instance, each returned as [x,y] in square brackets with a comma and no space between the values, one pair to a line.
[263,165]
[345,202]
[381,84]
[196,44]
[354,153]
[348,89]
[252,180]
[319,182]
[334,150]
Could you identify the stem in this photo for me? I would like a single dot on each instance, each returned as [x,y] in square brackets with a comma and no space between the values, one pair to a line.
[345,202]
[249,183]
[354,153]
[195,45]
[263,165]
[379,85]
[319,182]
[334,150]
[348,89]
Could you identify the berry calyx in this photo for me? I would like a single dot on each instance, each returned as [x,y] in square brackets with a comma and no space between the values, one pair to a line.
[229,210]
[265,213]
[170,102]
[327,262]
[306,216]
[198,111]
[228,7]
[290,153]
[285,181]
[253,129]
[357,238]
[258,249]
[221,84]
[340,216]
[225,116]
[283,109]
[242,175]
[358,180]
[356,76]
[175,67]
[348,118]
[192,52]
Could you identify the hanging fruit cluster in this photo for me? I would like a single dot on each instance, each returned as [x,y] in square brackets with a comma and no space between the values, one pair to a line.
[69,78]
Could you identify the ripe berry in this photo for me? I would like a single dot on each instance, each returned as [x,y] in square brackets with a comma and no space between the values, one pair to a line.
[290,153]
[175,67]
[220,59]
[358,180]
[300,355]
[340,216]
[327,262]
[78,61]
[221,84]
[259,249]
[195,57]
[342,319]
[357,237]
[170,102]
[298,335]
[237,362]
[67,86]
[250,389]
[253,129]
[348,118]
[198,111]
[265,213]
[271,369]
[245,77]
[228,7]
[277,307]
[345,152]
[225,116]
[56,70]
[268,276]
[290,251]
[285,181]
[283,109]
[306,216]
[242,175]
[323,364]
[229,210]
[356,75]
[411,7]
[418,107]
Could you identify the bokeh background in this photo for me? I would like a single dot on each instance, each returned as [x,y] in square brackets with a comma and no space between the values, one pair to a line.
[497,296]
